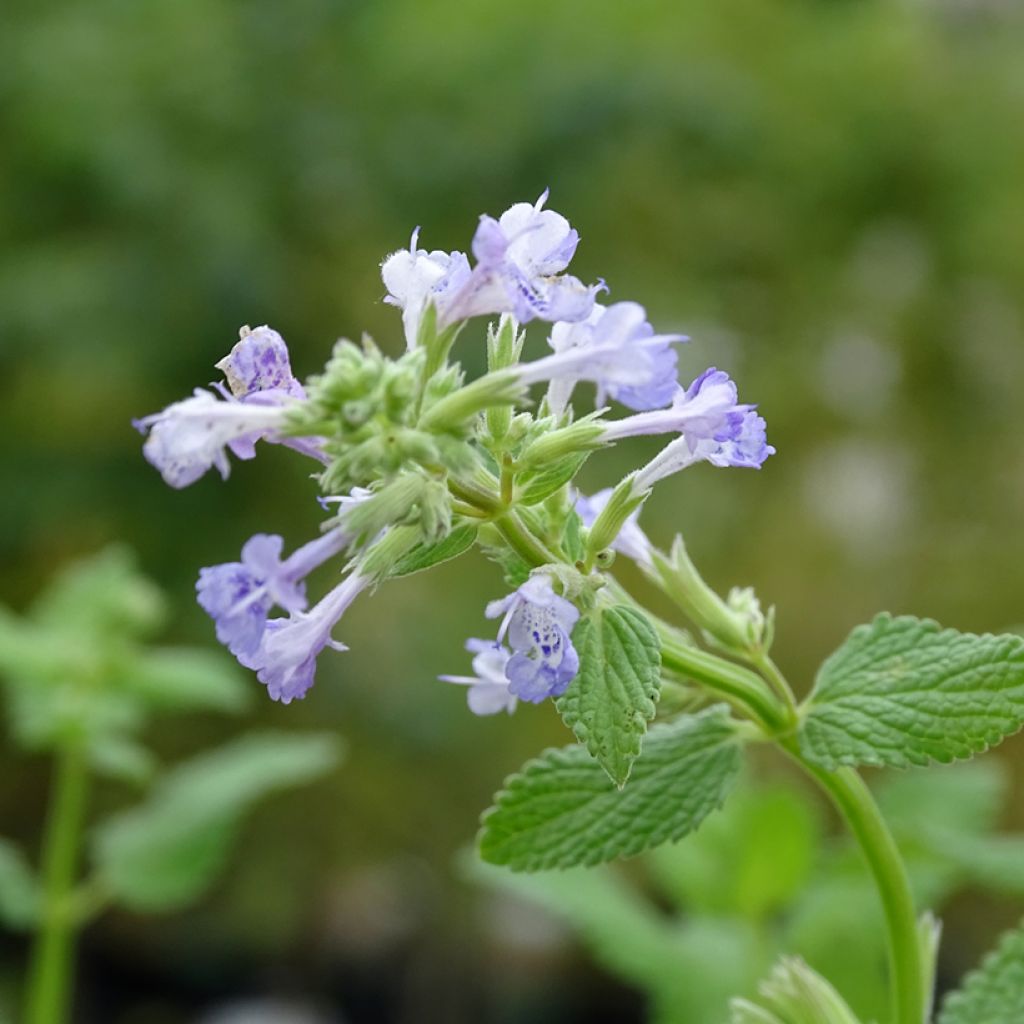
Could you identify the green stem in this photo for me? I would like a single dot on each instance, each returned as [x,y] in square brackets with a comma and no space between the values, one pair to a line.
[776,679]
[723,678]
[50,971]
[528,547]
[854,801]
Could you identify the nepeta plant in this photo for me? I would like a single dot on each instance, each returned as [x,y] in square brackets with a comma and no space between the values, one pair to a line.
[81,683]
[417,465]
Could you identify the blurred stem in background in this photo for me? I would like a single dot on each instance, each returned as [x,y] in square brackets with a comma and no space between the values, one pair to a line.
[50,972]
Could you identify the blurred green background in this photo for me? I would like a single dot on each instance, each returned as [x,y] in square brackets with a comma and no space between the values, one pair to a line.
[825,195]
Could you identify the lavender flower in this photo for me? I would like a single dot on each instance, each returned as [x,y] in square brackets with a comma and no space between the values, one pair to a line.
[239,595]
[415,277]
[260,362]
[713,428]
[519,262]
[631,541]
[489,691]
[539,624]
[285,661]
[617,348]
[190,437]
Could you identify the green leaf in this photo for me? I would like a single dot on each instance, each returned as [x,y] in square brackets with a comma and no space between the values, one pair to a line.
[561,810]
[533,488]
[187,679]
[994,993]
[572,536]
[163,853]
[119,757]
[903,691]
[19,891]
[615,692]
[424,556]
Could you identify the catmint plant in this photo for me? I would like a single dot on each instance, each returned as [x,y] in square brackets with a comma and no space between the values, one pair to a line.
[417,464]
[81,681]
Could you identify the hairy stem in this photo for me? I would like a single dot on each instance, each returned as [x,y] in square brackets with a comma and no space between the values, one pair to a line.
[49,980]
[527,546]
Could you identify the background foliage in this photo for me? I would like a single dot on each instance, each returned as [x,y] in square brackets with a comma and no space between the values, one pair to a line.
[826,196]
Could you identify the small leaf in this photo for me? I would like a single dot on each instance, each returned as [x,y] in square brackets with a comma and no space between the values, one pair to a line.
[163,853]
[994,993]
[19,891]
[614,694]
[572,536]
[561,810]
[534,488]
[903,691]
[119,757]
[424,556]
[186,679]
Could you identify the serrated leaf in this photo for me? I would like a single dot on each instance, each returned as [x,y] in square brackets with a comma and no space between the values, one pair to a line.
[425,556]
[994,993]
[562,810]
[615,692]
[19,891]
[543,483]
[903,691]
[163,853]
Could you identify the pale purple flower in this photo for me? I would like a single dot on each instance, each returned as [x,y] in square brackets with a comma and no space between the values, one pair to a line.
[712,425]
[539,624]
[191,436]
[415,277]
[285,661]
[616,348]
[489,691]
[708,408]
[631,541]
[260,362]
[238,596]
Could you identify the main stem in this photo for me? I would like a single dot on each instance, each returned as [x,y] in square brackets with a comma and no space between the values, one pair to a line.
[49,982]
[851,796]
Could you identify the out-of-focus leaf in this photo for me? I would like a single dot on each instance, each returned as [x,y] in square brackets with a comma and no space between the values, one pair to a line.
[19,890]
[104,594]
[163,853]
[187,679]
[963,798]
[689,969]
[750,859]
[119,757]
[42,716]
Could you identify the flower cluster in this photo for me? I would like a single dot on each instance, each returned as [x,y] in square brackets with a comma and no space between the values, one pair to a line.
[416,464]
